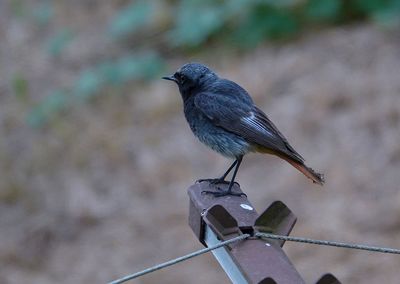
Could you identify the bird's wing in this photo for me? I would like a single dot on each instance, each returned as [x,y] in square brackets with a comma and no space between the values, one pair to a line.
[245,120]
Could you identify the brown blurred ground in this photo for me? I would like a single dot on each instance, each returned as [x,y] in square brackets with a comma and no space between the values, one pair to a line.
[102,192]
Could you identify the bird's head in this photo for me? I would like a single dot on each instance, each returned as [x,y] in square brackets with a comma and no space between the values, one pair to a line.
[191,76]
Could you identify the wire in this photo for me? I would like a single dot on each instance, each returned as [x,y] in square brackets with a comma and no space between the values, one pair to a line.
[328,243]
[178,259]
[257,235]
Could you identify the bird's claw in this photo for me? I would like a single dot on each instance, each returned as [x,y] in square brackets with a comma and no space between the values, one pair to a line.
[215,181]
[223,193]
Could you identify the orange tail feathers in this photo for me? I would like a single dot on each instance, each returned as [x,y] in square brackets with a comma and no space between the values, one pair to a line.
[308,172]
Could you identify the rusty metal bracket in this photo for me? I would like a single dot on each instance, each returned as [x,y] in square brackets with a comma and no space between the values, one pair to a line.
[239,208]
[254,260]
[276,219]
[328,279]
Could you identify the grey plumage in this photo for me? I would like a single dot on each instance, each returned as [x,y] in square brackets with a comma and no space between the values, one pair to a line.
[224,117]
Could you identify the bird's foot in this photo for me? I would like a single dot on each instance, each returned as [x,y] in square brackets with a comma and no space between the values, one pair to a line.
[215,181]
[223,193]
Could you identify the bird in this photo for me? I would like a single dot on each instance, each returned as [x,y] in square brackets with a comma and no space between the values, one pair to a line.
[223,116]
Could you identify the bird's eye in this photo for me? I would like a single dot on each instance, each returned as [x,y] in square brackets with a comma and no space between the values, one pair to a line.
[181,78]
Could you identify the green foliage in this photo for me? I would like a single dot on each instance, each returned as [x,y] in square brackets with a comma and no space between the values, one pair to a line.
[114,73]
[43,13]
[195,21]
[91,82]
[372,6]
[132,18]
[384,12]
[20,87]
[18,8]
[59,42]
[188,24]
[388,17]
[54,103]
[266,21]
[88,84]
[323,10]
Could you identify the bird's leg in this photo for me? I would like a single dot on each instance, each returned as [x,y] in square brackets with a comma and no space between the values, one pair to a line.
[231,183]
[221,179]
[229,191]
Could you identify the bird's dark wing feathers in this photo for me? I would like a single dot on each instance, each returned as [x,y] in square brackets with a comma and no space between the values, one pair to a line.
[266,122]
[243,118]
[230,89]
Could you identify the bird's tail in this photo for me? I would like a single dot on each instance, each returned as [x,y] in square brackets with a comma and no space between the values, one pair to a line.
[308,172]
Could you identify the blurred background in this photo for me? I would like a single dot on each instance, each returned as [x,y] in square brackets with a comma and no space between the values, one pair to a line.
[96,156]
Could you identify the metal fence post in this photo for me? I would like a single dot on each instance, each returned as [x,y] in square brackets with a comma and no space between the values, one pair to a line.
[253,260]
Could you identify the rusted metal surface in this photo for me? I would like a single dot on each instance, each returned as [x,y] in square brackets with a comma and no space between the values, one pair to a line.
[328,279]
[253,260]
[260,261]
[276,219]
[238,207]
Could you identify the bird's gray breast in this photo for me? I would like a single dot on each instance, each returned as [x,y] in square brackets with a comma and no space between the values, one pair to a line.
[215,137]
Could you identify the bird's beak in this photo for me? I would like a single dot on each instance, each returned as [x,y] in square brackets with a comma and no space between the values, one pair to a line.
[170,78]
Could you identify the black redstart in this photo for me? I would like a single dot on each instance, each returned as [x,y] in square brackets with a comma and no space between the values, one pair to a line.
[223,116]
